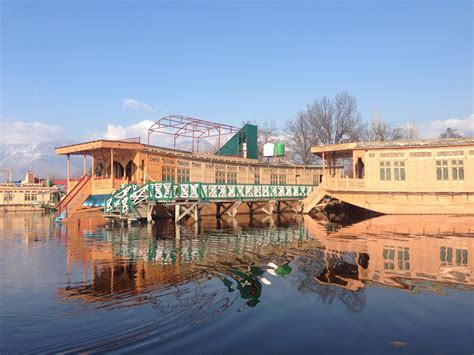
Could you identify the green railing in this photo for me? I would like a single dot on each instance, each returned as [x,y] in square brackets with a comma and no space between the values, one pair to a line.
[125,199]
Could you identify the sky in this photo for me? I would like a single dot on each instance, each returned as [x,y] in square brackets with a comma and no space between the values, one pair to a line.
[81,70]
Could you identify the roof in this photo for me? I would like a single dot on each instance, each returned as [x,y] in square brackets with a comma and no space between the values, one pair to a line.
[87,148]
[349,147]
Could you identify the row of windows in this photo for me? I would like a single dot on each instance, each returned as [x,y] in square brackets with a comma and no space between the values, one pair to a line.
[398,169]
[8,197]
[31,197]
[445,170]
[167,174]
[403,258]
[277,179]
[443,167]
[446,256]
[183,176]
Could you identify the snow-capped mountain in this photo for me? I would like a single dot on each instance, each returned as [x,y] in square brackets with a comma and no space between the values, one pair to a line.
[36,157]
[21,158]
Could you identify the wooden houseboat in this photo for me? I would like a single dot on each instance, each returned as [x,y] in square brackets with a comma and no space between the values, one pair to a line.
[419,177]
[117,163]
[28,195]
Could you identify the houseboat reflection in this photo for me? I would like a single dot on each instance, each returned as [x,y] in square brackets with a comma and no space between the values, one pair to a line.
[128,267]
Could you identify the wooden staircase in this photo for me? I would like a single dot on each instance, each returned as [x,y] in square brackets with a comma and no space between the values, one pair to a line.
[74,199]
[313,199]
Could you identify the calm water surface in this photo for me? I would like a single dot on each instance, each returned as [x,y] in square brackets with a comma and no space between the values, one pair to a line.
[384,285]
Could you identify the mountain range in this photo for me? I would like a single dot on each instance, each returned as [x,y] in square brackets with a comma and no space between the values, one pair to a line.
[41,158]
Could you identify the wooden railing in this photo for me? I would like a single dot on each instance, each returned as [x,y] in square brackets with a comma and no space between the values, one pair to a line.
[106,185]
[342,183]
[76,196]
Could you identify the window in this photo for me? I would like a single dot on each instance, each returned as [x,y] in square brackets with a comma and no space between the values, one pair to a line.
[315,180]
[446,256]
[256,178]
[274,179]
[389,258]
[388,175]
[444,166]
[231,178]
[282,180]
[27,196]
[167,174]
[7,196]
[442,170]
[399,171]
[457,169]
[385,170]
[403,258]
[220,177]
[183,175]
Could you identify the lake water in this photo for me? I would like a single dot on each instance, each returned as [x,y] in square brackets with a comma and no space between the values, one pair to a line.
[282,285]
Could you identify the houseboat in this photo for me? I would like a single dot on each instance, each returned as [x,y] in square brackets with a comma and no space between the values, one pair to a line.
[418,177]
[28,195]
[115,164]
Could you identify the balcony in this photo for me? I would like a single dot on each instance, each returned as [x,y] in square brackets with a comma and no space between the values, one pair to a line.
[342,183]
[106,185]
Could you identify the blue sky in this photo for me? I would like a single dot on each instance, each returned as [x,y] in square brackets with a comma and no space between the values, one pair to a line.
[71,65]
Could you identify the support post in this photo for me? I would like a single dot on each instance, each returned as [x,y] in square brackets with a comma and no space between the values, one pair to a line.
[324,166]
[218,210]
[112,166]
[251,210]
[196,214]
[176,214]
[85,166]
[93,167]
[149,215]
[68,170]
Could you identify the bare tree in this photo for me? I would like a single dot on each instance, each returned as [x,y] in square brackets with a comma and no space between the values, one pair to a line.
[267,133]
[381,131]
[450,133]
[301,138]
[411,132]
[336,121]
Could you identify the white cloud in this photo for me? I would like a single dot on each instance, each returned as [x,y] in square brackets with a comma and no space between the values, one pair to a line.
[132,104]
[139,129]
[465,126]
[20,132]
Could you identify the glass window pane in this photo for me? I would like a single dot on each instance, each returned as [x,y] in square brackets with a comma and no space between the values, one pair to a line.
[449,255]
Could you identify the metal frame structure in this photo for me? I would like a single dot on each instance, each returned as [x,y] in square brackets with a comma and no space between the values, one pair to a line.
[196,129]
